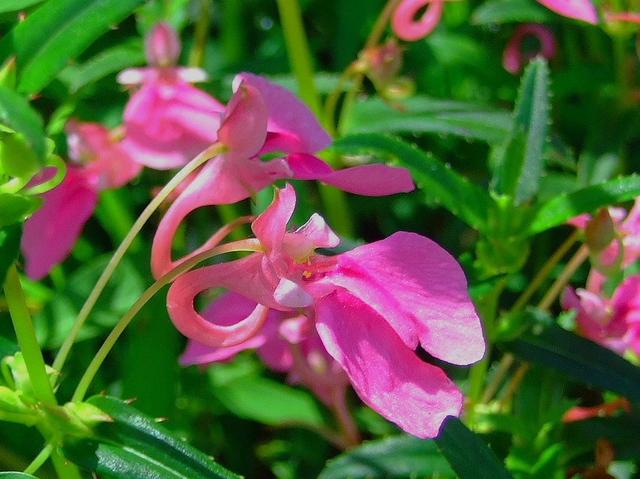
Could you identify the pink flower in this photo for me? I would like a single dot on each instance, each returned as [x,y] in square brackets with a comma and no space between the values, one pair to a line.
[371,307]
[287,343]
[615,322]
[515,58]
[578,9]
[404,21]
[263,118]
[629,17]
[167,120]
[98,163]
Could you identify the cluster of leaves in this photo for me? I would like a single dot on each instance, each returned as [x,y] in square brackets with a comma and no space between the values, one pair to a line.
[495,185]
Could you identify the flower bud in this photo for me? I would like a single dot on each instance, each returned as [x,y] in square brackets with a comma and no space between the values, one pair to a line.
[162,46]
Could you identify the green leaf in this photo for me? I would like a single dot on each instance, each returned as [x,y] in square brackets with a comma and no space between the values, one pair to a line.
[427,115]
[269,402]
[440,184]
[9,248]
[16,475]
[394,457]
[15,208]
[520,169]
[57,32]
[15,5]
[580,359]
[586,200]
[17,114]
[506,11]
[621,431]
[468,454]
[134,446]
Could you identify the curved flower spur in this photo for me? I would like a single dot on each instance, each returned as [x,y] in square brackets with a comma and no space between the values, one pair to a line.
[371,308]
[265,119]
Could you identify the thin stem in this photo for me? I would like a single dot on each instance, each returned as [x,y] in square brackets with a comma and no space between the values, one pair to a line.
[98,359]
[64,468]
[27,340]
[90,302]
[556,288]
[299,52]
[501,373]
[518,377]
[39,460]
[201,35]
[348,426]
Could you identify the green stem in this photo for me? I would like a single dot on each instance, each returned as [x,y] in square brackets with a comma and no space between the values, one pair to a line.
[98,359]
[39,459]
[299,53]
[64,468]
[87,307]
[201,34]
[27,338]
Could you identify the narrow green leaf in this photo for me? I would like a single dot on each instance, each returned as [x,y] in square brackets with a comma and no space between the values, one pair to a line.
[9,248]
[16,475]
[59,31]
[518,173]
[621,431]
[394,457]
[16,114]
[580,359]
[427,115]
[135,446]
[440,184]
[586,200]
[16,5]
[468,454]
[507,11]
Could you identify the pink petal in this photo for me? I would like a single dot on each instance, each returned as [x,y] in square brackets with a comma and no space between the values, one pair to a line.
[387,375]
[515,58]
[405,24]
[162,45]
[51,233]
[578,9]
[420,290]
[369,180]
[270,227]
[630,17]
[290,116]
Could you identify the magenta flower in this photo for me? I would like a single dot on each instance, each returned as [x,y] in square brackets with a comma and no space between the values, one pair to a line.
[407,27]
[98,162]
[615,322]
[371,307]
[167,120]
[579,9]
[515,58]
[263,118]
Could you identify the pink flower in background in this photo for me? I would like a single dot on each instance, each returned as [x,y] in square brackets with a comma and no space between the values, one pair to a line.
[98,162]
[407,27]
[615,322]
[287,343]
[628,17]
[371,308]
[263,118]
[515,57]
[579,9]
[167,120]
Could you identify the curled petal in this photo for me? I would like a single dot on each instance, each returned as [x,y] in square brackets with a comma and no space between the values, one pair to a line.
[270,227]
[387,375]
[419,289]
[290,294]
[369,180]
[162,46]
[578,9]
[240,276]
[52,231]
[404,21]
[289,117]
[515,58]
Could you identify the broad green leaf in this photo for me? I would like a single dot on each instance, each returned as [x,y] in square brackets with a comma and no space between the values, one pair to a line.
[394,457]
[519,171]
[468,455]
[15,5]
[17,158]
[621,431]
[105,63]
[580,359]
[16,114]
[427,115]
[9,248]
[439,183]
[507,11]
[562,208]
[57,32]
[269,402]
[16,475]
[134,446]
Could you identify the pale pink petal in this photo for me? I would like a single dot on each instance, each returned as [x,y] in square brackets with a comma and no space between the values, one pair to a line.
[369,180]
[291,295]
[317,231]
[52,231]
[404,21]
[270,227]
[515,58]
[192,74]
[162,45]
[387,375]
[419,289]
[578,9]
[288,115]
[132,76]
